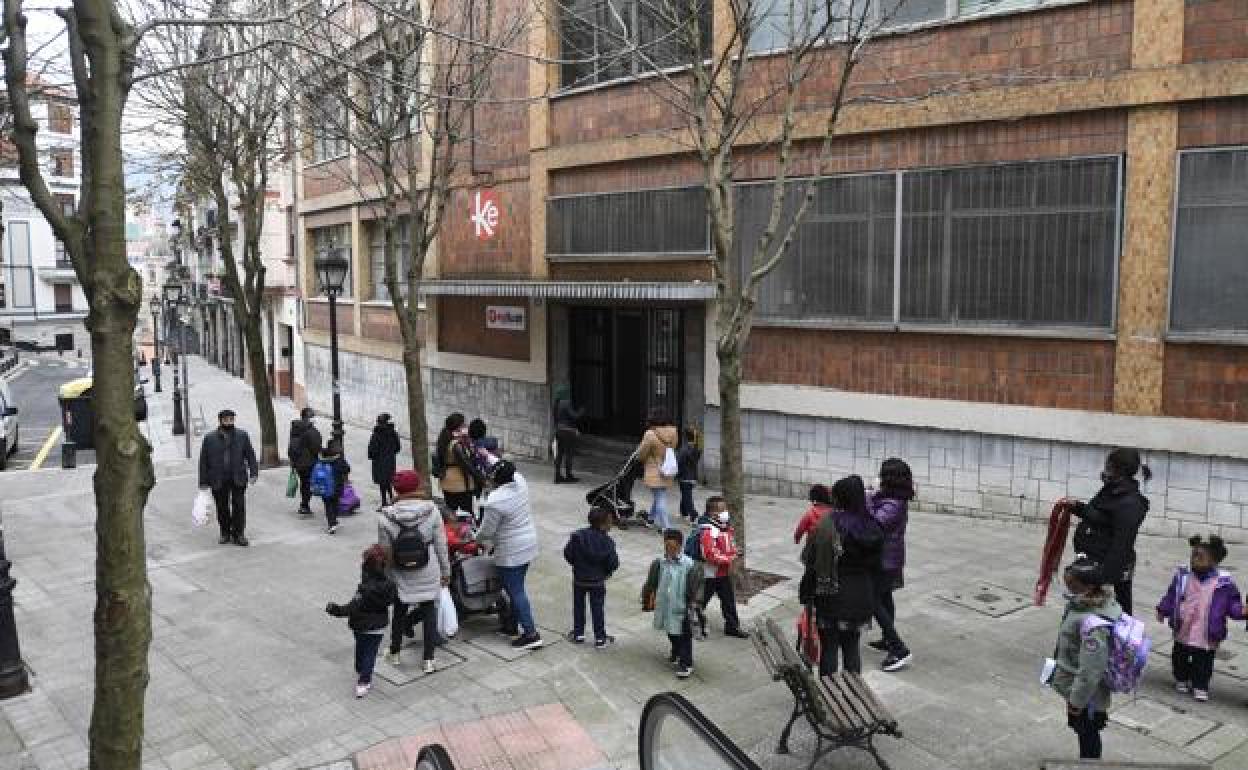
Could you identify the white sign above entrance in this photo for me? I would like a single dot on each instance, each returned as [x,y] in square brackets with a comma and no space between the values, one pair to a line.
[512,319]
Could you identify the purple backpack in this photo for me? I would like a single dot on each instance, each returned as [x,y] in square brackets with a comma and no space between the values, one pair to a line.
[1129,646]
[349,500]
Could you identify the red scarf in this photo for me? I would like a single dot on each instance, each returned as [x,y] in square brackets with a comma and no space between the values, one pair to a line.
[1054,547]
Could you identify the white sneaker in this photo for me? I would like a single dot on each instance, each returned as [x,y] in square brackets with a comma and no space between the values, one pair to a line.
[362,689]
[331,530]
[1183,688]
[429,667]
[393,658]
[1200,695]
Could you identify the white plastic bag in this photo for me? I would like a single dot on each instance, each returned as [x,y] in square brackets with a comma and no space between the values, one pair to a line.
[669,469]
[202,509]
[448,620]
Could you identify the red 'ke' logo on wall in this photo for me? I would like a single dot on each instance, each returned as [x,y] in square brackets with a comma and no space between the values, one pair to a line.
[484,214]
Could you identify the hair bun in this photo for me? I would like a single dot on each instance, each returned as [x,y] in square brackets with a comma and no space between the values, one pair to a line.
[1194,540]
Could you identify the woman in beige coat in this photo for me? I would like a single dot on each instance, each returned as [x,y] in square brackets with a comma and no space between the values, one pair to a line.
[661,435]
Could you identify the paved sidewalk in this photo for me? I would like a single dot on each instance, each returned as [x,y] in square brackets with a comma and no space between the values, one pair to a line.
[248,671]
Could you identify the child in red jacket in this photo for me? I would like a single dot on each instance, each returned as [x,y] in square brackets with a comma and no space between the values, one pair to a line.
[719,551]
[820,506]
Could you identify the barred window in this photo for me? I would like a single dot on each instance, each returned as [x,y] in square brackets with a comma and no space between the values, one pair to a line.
[1210,260]
[635,223]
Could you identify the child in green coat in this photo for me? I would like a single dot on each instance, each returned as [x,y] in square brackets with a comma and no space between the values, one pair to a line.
[671,590]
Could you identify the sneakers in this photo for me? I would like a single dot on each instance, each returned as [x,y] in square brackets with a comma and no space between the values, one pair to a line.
[604,643]
[895,662]
[575,638]
[673,660]
[225,540]
[1200,695]
[527,642]
[393,658]
[304,511]
[1183,688]
[703,634]
[736,633]
[878,644]
[331,529]
[240,540]
[684,672]
[429,667]
[362,688]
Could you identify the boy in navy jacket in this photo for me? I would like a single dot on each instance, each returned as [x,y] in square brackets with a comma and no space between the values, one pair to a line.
[591,552]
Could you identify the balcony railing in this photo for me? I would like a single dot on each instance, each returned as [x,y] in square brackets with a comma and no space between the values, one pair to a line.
[64,308]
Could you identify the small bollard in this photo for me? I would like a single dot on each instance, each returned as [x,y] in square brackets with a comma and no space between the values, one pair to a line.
[69,455]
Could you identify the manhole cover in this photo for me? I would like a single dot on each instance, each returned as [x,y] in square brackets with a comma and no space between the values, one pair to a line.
[987,599]
[759,581]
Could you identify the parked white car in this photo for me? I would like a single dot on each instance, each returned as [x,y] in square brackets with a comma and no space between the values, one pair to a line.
[8,424]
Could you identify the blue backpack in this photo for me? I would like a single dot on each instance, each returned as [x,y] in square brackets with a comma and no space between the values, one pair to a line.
[322,479]
[693,544]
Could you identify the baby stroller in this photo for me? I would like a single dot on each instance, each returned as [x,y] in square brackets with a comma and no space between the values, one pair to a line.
[475,585]
[617,494]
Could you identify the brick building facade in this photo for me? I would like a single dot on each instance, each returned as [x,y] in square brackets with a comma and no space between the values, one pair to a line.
[1007,276]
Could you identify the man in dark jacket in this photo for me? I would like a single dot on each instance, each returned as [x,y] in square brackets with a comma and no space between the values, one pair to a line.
[304,448]
[591,552]
[226,464]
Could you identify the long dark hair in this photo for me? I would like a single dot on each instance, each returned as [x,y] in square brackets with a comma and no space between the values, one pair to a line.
[896,480]
[1124,463]
[454,422]
[850,495]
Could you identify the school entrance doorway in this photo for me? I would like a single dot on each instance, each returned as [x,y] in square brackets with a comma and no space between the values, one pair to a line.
[624,363]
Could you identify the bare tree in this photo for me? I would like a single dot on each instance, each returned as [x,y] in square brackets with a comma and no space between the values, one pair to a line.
[397,83]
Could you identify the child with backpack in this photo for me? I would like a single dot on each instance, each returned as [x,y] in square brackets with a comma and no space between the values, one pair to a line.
[1083,654]
[368,614]
[687,459]
[1197,605]
[591,552]
[327,480]
[718,551]
[671,591]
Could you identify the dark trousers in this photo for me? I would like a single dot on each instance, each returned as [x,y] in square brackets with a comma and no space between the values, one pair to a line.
[231,502]
[682,646]
[1192,664]
[721,587]
[834,643]
[886,616]
[565,448]
[597,596]
[387,492]
[366,647]
[305,489]
[331,509]
[1122,592]
[1088,727]
[458,501]
[687,508]
[405,617]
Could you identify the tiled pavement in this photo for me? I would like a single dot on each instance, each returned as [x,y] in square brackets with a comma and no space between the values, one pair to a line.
[248,671]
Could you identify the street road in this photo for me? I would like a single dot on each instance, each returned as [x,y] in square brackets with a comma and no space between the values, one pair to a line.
[34,393]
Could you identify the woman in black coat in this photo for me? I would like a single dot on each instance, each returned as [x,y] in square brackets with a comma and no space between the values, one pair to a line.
[383,449]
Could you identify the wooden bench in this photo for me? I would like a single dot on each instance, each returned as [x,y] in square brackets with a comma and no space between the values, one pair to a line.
[840,708]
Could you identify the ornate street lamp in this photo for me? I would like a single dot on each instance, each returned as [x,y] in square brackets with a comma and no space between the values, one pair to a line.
[183,313]
[172,291]
[154,305]
[331,270]
[13,680]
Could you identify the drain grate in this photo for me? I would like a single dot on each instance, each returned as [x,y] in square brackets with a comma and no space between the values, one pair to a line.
[987,599]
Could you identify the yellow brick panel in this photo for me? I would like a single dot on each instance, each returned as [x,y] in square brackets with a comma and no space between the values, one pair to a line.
[1157,33]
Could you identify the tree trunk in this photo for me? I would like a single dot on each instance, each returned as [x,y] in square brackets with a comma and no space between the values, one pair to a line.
[731,466]
[261,388]
[415,397]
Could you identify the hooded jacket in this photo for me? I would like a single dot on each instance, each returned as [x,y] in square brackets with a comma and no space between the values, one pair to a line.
[1226,602]
[719,548]
[507,522]
[383,449]
[305,445]
[369,609]
[416,585]
[591,552]
[892,515]
[652,450]
[1083,658]
[1108,525]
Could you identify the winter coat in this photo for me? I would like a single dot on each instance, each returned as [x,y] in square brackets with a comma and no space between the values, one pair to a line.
[892,515]
[676,585]
[810,519]
[1083,658]
[416,585]
[566,415]
[719,548]
[652,450]
[507,522]
[1226,603]
[591,552]
[459,474]
[383,449]
[857,570]
[369,609]
[1108,525]
[687,458]
[305,445]
[227,459]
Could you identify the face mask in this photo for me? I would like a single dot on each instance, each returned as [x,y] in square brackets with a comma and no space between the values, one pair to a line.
[227,428]
[1068,596]
[1106,478]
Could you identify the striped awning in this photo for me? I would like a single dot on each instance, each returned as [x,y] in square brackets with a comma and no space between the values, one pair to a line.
[617,290]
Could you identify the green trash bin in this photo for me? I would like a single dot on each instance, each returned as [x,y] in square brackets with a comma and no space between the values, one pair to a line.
[77,413]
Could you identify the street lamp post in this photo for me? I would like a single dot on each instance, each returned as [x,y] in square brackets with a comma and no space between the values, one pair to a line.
[154,304]
[173,295]
[184,304]
[331,269]
[13,679]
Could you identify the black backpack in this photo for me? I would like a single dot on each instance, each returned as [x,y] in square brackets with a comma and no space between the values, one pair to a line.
[294,450]
[410,549]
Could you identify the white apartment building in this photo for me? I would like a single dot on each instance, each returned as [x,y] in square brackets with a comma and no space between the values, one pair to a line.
[41,303]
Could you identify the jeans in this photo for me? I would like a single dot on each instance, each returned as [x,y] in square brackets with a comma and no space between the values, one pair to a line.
[721,587]
[833,641]
[513,583]
[1192,664]
[682,646]
[305,489]
[658,509]
[597,596]
[1088,727]
[366,646]
[405,617]
[231,502]
[331,510]
[387,492]
[687,508]
[886,616]
[565,450]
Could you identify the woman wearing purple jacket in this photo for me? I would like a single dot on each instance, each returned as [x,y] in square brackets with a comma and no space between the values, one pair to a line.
[890,506]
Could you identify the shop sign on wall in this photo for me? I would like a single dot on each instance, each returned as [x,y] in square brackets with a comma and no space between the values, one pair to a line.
[512,319]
